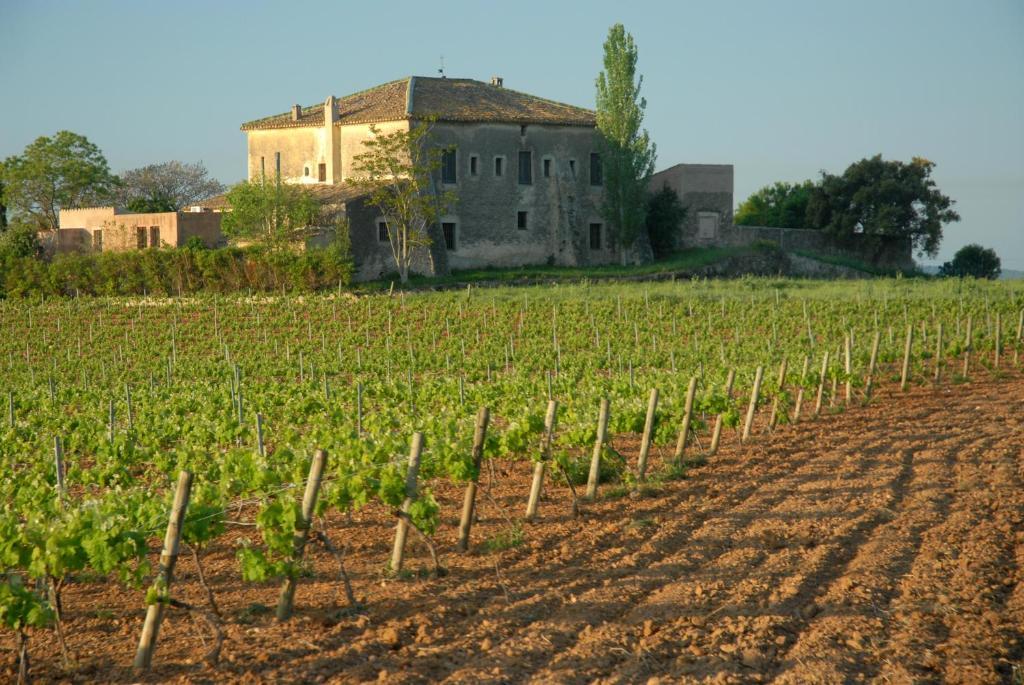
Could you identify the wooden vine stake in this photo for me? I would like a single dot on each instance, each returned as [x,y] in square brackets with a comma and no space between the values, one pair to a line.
[648,435]
[755,394]
[798,405]
[774,417]
[684,429]
[999,339]
[402,529]
[905,374]
[469,501]
[968,343]
[260,449]
[538,469]
[595,459]
[938,353]
[168,558]
[716,435]
[286,600]
[821,384]
[58,462]
[848,366]
[872,363]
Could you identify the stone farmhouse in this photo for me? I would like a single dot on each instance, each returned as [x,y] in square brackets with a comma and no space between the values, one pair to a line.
[526,171]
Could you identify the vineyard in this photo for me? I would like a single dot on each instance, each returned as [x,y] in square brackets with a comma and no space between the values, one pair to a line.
[500,484]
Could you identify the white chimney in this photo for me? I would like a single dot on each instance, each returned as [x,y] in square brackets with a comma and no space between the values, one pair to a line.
[296,112]
[497,81]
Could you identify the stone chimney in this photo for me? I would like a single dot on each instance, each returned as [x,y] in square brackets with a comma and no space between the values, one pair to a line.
[296,112]
[497,81]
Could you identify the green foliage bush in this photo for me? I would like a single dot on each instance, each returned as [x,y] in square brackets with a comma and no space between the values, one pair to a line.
[175,272]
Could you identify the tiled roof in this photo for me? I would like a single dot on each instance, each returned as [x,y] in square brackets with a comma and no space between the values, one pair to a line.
[447,99]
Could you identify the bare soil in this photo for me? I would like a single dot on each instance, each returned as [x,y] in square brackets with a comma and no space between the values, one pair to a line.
[881,543]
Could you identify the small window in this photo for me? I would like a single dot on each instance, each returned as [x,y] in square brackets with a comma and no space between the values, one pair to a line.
[522,130]
[322,173]
[595,236]
[547,168]
[499,166]
[448,166]
[140,237]
[263,166]
[525,167]
[707,225]
[154,236]
[277,163]
[382,232]
[596,172]
[97,240]
[521,221]
[305,171]
[473,161]
[448,229]
[572,167]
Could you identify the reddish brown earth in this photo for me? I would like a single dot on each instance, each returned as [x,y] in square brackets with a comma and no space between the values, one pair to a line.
[879,544]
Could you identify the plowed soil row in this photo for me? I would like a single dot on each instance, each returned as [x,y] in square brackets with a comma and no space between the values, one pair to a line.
[881,543]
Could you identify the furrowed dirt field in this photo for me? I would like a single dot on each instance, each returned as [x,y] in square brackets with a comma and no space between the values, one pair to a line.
[878,544]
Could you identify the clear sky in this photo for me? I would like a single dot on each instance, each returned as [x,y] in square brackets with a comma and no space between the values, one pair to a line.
[780,89]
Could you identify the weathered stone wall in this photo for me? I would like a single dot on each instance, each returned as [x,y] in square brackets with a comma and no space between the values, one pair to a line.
[560,207]
[894,253]
[203,225]
[372,258]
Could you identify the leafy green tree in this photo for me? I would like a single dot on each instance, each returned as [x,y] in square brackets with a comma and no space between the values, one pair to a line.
[397,173]
[779,205]
[973,260]
[271,212]
[665,213]
[64,171]
[20,240]
[884,199]
[628,154]
[166,187]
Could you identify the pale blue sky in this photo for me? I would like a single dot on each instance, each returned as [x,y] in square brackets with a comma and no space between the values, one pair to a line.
[780,89]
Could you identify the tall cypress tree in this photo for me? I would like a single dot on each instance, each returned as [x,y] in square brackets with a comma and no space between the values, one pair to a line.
[627,151]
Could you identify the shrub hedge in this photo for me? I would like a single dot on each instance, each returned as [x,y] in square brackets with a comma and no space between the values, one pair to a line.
[175,271]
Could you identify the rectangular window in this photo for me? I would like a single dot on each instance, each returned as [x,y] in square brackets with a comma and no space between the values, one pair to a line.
[521,221]
[499,166]
[448,166]
[140,237]
[322,175]
[525,167]
[154,236]
[448,229]
[595,236]
[97,240]
[382,232]
[473,159]
[572,167]
[547,168]
[596,172]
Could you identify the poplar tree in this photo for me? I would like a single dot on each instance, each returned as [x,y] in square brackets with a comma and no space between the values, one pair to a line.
[627,151]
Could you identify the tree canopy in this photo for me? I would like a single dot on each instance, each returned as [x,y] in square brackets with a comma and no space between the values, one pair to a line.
[883,198]
[665,213]
[628,154]
[270,212]
[973,260]
[166,187]
[779,205]
[63,171]
[396,171]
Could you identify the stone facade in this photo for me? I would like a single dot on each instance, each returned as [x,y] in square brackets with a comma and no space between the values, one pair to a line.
[109,229]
